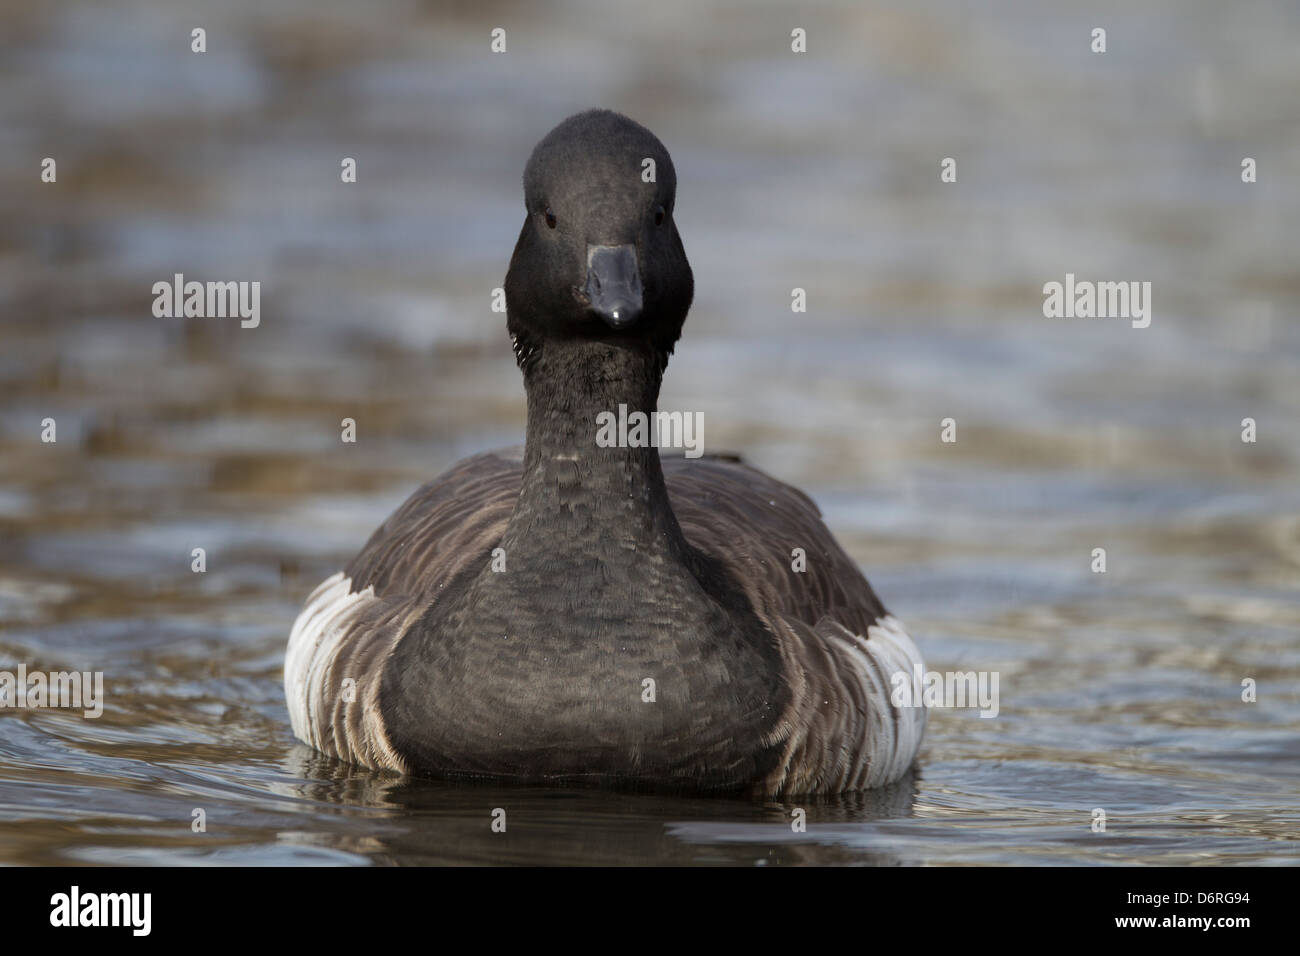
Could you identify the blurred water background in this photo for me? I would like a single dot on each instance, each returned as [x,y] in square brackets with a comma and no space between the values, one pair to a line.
[1119,691]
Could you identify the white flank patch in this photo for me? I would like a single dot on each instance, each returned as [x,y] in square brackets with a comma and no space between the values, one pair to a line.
[896,736]
[313,643]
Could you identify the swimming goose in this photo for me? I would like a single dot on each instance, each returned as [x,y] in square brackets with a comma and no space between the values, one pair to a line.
[574,613]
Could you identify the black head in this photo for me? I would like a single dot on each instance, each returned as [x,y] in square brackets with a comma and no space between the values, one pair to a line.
[599,256]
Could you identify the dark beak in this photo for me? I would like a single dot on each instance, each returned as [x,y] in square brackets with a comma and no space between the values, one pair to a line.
[614,284]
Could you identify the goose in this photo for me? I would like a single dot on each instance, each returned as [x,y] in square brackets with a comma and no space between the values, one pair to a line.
[575,614]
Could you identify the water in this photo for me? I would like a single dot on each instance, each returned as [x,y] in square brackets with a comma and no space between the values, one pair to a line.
[1119,691]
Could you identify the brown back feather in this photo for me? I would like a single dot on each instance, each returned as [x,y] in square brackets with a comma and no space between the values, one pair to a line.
[727,509]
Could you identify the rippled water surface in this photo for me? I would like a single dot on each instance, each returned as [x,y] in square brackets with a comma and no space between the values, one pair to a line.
[1120,691]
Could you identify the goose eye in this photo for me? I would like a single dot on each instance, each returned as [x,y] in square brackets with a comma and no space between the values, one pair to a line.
[659,216]
[550,217]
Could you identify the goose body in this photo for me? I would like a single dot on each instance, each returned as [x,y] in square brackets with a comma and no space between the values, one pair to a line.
[571,613]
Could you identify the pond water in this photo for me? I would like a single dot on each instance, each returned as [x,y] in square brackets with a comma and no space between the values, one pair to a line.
[1119,691]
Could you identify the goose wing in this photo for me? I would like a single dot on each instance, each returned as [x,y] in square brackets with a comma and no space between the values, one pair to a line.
[350,623]
[444,526]
[841,649]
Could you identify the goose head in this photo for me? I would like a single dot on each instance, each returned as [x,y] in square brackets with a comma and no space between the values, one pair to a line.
[599,256]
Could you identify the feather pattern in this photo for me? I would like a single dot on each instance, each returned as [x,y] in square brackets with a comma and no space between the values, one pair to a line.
[839,648]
